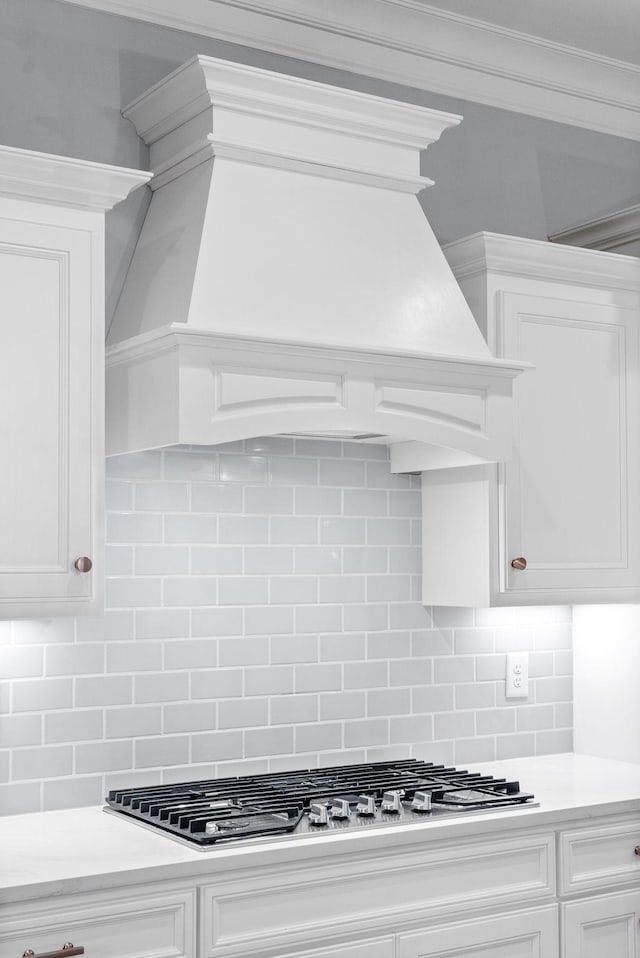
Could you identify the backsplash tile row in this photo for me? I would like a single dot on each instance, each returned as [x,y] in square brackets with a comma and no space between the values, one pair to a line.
[263,613]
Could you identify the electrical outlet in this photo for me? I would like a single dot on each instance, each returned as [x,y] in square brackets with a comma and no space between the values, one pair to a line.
[517,677]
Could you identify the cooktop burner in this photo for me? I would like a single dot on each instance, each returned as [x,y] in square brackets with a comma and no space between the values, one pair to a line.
[314,800]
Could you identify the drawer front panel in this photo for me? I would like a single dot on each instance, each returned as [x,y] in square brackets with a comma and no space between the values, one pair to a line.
[599,857]
[520,934]
[108,925]
[294,907]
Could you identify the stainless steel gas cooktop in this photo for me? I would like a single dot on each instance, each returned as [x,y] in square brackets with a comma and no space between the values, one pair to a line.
[203,813]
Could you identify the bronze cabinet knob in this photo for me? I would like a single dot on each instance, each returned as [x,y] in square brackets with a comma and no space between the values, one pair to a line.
[520,563]
[636,850]
[83,564]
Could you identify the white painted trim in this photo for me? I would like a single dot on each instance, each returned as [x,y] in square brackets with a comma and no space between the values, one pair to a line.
[64,180]
[409,42]
[605,233]
[539,259]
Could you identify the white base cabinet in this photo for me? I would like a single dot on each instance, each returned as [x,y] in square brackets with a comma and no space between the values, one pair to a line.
[493,897]
[568,502]
[52,380]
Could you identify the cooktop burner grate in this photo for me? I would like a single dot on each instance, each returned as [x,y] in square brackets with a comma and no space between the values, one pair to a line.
[209,811]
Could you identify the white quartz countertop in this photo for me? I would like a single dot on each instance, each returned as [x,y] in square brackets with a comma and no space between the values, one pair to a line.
[61,852]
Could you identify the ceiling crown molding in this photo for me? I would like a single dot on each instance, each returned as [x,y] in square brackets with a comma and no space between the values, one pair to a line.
[607,232]
[409,42]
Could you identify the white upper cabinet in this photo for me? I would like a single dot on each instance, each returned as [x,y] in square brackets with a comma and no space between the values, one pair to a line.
[559,522]
[52,380]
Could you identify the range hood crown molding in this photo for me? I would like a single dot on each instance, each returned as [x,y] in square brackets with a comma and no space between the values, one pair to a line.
[205,88]
[286,279]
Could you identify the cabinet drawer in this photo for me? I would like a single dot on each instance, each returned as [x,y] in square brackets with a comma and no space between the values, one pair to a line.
[599,857]
[107,924]
[519,934]
[292,907]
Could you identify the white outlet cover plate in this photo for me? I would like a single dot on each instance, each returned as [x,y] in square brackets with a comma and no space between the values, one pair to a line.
[517,675]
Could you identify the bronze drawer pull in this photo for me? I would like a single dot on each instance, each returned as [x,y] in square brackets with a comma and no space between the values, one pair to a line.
[83,564]
[520,563]
[636,850]
[67,951]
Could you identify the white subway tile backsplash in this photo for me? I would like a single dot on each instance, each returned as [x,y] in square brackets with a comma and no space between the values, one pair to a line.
[318,678]
[118,560]
[366,732]
[22,661]
[222,622]
[317,560]
[293,470]
[338,647]
[267,560]
[339,531]
[342,588]
[269,500]
[243,713]
[51,761]
[318,502]
[293,648]
[132,593]
[343,705]
[216,747]
[161,687]
[132,527]
[189,717]
[85,659]
[242,590]
[293,589]
[103,757]
[216,498]
[166,750]
[191,528]
[190,465]
[162,560]
[16,730]
[161,497]
[72,793]
[244,651]
[264,614]
[268,680]
[365,559]
[291,709]
[79,725]
[366,675]
[40,695]
[243,468]
[133,721]
[268,620]
[191,591]
[193,654]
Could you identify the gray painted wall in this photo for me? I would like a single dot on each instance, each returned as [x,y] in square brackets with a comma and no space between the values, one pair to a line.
[66,72]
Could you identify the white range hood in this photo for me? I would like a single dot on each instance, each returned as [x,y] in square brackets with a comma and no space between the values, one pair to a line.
[286,279]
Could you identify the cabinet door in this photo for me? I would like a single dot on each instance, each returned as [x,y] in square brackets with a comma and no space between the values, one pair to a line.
[522,934]
[569,505]
[601,927]
[50,384]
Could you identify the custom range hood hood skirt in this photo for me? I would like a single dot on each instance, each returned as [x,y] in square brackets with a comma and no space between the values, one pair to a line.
[286,279]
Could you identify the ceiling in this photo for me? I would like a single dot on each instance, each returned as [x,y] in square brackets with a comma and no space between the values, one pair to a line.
[610,28]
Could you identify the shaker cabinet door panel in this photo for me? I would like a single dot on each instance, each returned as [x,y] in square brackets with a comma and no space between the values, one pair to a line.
[567,505]
[47,391]
[602,927]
